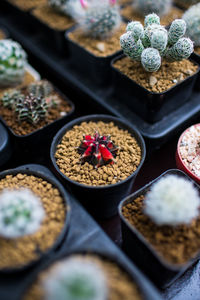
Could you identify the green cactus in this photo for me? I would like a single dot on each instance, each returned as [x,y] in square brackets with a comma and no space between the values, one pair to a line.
[160,7]
[154,42]
[12,63]
[192,19]
[31,109]
[10,97]
[41,88]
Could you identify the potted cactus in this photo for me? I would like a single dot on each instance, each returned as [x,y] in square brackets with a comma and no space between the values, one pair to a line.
[28,229]
[107,156]
[83,277]
[96,39]
[155,66]
[163,219]
[140,8]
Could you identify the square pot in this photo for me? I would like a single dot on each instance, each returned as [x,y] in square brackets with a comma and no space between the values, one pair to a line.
[95,68]
[161,272]
[151,106]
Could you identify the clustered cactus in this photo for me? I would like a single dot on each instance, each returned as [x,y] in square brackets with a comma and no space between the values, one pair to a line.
[31,104]
[97,150]
[192,19]
[160,7]
[172,200]
[21,213]
[75,279]
[151,43]
[100,19]
[13,60]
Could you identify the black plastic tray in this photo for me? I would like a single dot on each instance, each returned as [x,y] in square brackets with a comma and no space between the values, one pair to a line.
[5,149]
[84,234]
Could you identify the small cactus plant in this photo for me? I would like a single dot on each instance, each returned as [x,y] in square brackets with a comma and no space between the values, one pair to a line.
[9,98]
[100,19]
[172,200]
[67,7]
[13,60]
[75,279]
[30,108]
[192,19]
[41,88]
[151,43]
[21,213]
[97,150]
[160,7]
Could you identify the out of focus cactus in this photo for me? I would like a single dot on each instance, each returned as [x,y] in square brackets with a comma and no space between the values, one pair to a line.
[67,7]
[12,63]
[160,7]
[192,19]
[153,42]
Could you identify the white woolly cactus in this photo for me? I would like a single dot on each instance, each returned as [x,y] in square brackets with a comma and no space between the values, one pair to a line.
[173,200]
[21,213]
[160,7]
[151,43]
[75,279]
[99,19]
[192,19]
[12,63]
[67,7]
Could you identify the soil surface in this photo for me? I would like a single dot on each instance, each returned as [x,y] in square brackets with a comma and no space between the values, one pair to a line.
[197,50]
[28,4]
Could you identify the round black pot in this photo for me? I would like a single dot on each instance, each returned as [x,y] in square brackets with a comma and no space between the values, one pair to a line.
[100,201]
[152,107]
[64,231]
[161,272]
[5,147]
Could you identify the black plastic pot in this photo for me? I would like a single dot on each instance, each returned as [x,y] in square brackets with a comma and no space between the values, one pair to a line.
[41,136]
[5,147]
[146,289]
[196,57]
[151,106]
[96,68]
[100,201]
[64,231]
[161,272]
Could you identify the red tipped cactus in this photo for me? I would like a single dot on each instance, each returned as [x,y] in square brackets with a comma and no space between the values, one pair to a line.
[97,150]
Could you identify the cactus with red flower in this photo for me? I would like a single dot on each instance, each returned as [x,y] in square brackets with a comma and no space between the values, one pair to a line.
[97,150]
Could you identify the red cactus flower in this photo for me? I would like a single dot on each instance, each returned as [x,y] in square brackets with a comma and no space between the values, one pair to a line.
[97,150]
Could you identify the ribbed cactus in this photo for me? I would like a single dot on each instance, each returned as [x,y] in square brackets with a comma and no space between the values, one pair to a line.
[192,19]
[9,98]
[160,7]
[41,88]
[100,19]
[153,42]
[21,213]
[12,63]
[31,109]
[75,279]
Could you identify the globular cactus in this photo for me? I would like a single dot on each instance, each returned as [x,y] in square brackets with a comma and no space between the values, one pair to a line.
[41,88]
[13,60]
[151,43]
[100,19]
[173,200]
[75,279]
[9,98]
[67,7]
[192,19]
[31,109]
[21,213]
[160,7]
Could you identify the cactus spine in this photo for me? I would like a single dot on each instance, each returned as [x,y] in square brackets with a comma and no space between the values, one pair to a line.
[153,42]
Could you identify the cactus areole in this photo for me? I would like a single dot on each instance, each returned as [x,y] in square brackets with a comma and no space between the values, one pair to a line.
[97,150]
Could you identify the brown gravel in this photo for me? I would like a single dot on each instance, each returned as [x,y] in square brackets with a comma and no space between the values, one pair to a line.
[110,46]
[21,251]
[68,158]
[182,4]
[177,245]
[24,127]
[120,285]
[52,18]
[165,78]
[197,50]
[124,1]
[2,35]
[131,14]
[28,4]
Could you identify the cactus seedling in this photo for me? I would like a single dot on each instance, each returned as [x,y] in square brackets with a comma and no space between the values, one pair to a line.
[21,213]
[151,43]
[160,7]
[9,98]
[100,19]
[97,150]
[75,279]
[173,200]
[192,19]
[12,63]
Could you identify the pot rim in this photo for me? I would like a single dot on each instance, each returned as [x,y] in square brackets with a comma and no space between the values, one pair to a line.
[58,137]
